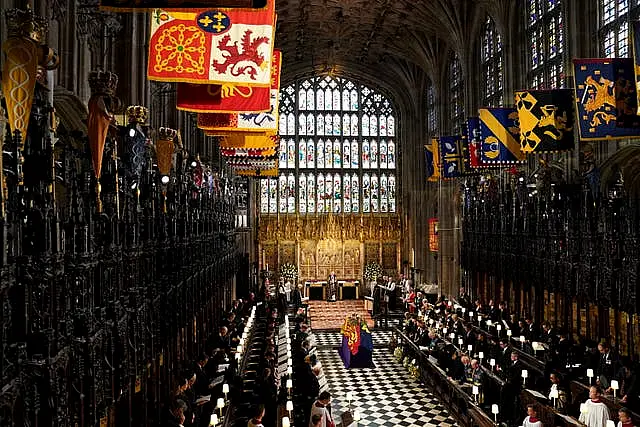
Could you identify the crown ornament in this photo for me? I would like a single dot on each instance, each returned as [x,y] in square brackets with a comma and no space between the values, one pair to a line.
[137,114]
[167,134]
[103,83]
[25,24]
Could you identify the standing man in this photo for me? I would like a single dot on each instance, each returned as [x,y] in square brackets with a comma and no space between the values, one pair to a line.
[391,293]
[322,407]
[332,285]
[595,413]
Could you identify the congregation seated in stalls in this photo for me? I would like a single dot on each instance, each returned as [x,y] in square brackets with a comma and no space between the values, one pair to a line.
[495,357]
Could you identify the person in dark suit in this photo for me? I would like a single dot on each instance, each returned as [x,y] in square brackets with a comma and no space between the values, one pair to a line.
[607,364]
[455,370]
[549,335]
[469,336]
[532,331]
[296,297]
[201,386]
[504,356]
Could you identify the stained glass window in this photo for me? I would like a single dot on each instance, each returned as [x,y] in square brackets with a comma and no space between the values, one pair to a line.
[545,32]
[614,26]
[492,65]
[432,110]
[456,90]
[337,151]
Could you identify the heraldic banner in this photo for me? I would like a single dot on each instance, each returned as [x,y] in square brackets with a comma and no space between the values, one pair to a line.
[432,159]
[223,124]
[636,60]
[141,5]
[229,97]
[475,144]
[214,46]
[433,234]
[452,156]
[546,120]
[500,136]
[606,101]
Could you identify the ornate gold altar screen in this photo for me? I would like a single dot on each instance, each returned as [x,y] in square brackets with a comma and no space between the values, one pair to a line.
[320,244]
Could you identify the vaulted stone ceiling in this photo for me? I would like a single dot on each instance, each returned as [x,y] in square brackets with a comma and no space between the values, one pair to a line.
[375,36]
[323,34]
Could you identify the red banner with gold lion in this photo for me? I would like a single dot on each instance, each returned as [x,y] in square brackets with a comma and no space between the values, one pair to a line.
[229,97]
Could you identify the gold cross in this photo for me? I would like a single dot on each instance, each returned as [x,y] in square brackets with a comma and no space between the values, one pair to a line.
[206,21]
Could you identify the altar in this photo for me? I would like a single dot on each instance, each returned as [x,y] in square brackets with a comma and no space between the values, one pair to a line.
[357,344]
[317,289]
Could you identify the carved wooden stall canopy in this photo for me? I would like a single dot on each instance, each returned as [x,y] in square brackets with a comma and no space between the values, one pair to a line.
[319,245]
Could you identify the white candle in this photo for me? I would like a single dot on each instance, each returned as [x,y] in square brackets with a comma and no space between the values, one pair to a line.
[220,403]
[525,373]
[611,423]
[494,409]
[522,338]
[289,383]
[285,422]
[349,396]
[492,362]
[213,420]
[481,355]
[554,393]
[452,335]
[289,405]
[614,386]
[470,348]
[356,415]
[289,370]
[471,314]
[460,341]
[475,389]
[509,332]
[225,388]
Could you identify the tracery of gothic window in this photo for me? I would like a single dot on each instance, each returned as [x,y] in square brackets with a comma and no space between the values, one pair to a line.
[456,89]
[492,65]
[546,35]
[337,150]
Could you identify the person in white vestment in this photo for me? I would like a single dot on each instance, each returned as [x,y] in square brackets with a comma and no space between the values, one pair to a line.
[287,291]
[320,407]
[594,412]
[532,417]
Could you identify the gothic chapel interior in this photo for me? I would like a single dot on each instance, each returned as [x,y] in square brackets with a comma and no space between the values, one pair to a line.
[278,168]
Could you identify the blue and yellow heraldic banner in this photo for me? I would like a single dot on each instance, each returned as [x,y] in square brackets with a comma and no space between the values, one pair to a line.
[500,135]
[428,162]
[606,101]
[546,120]
[452,156]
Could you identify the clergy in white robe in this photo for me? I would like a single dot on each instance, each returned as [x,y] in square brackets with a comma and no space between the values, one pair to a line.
[532,417]
[320,407]
[594,412]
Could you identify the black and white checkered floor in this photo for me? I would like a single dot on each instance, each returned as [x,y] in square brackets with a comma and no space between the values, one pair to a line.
[385,395]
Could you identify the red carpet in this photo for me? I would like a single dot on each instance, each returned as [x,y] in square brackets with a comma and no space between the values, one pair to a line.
[330,315]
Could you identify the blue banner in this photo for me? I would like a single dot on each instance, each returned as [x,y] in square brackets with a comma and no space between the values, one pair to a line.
[606,102]
[452,156]
[500,136]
